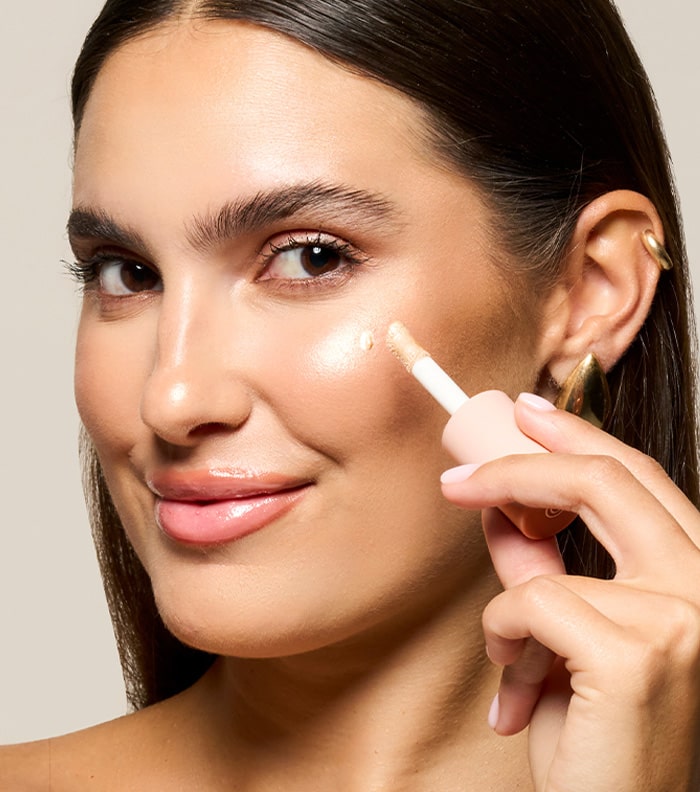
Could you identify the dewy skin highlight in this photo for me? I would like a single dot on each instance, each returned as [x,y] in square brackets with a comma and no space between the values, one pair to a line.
[481,428]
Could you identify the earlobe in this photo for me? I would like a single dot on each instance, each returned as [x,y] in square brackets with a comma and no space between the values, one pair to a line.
[607,284]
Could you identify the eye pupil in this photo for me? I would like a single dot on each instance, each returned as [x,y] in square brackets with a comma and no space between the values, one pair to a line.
[318,259]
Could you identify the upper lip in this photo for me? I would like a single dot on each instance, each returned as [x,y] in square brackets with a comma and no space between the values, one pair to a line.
[219,484]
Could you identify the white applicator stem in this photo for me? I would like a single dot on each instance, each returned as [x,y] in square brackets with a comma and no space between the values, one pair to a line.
[419,363]
[481,428]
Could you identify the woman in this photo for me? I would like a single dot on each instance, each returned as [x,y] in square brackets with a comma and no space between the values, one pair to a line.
[261,188]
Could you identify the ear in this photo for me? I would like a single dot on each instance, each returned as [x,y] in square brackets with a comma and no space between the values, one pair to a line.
[606,288]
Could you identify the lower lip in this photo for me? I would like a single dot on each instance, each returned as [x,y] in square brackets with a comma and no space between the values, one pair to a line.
[225,520]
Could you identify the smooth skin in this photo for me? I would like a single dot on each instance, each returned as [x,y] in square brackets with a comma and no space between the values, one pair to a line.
[351,628]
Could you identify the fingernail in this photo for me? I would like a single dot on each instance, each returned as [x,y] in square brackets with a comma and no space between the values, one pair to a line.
[494,712]
[457,474]
[536,402]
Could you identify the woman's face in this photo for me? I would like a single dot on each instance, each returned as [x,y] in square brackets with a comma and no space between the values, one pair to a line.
[248,211]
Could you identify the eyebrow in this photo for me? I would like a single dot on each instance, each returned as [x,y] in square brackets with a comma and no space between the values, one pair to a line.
[247,215]
[326,201]
[85,224]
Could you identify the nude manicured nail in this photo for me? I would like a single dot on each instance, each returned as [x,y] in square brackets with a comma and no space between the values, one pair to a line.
[457,474]
[494,712]
[536,402]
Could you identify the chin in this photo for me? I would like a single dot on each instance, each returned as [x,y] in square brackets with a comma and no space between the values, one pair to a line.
[241,619]
[246,637]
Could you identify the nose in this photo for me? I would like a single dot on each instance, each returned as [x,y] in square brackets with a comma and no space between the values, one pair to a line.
[195,387]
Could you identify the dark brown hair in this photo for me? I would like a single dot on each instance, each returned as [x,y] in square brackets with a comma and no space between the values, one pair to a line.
[545,105]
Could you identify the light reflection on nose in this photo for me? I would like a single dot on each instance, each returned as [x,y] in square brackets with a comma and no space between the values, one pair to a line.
[178,393]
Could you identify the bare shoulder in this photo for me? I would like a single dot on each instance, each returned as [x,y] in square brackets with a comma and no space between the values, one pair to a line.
[23,768]
[102,758]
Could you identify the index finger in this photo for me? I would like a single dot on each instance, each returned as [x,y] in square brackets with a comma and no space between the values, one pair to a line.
[564,433]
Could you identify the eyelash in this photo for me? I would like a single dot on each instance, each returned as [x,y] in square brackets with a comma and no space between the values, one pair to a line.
[351,257]
[320,240]
[86,271]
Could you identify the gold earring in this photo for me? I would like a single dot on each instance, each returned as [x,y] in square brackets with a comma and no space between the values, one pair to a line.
[585,392]
[657,251]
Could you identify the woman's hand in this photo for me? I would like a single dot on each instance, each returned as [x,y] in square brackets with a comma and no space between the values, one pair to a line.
[607,673]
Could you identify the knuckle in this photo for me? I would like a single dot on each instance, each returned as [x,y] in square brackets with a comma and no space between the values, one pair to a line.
[647,468]
[488,618]
[605,472]
[536,595]
[494,617]
[647,676]
[533,664]
[670,655]
[680,635]
[538,591]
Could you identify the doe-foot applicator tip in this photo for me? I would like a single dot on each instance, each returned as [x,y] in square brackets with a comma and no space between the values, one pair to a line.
[404,346]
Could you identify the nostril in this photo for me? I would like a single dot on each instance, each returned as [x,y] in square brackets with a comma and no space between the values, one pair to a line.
[205,429]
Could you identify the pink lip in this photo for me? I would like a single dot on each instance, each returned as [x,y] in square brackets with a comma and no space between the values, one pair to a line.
[214,507]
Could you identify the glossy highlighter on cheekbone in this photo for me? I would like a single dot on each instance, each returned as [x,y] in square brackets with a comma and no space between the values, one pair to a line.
[481,428]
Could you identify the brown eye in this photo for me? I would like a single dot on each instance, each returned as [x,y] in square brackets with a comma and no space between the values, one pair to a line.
[319,259]
[121,278]
[308,259]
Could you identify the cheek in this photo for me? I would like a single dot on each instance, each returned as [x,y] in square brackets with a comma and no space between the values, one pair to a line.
[110,369]
[341,394]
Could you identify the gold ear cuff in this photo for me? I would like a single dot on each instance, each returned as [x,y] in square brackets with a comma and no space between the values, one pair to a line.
[585,392]
[656,250]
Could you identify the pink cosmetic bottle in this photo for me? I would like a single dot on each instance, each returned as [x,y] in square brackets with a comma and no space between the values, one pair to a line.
[482,428]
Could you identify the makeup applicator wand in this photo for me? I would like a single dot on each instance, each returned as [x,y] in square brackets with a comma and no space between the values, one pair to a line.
[481,428]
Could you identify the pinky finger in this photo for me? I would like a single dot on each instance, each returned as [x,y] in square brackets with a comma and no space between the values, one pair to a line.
[521,687]
[525,629]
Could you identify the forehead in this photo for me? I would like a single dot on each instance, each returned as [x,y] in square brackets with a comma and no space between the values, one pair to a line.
[194,89]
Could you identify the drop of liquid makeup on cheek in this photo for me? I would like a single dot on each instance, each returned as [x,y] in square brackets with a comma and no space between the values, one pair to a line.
[367,340]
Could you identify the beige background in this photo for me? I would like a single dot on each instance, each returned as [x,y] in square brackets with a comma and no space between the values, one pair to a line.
[58,668]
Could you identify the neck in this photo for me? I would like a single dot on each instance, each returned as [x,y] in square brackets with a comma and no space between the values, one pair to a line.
[400,708]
